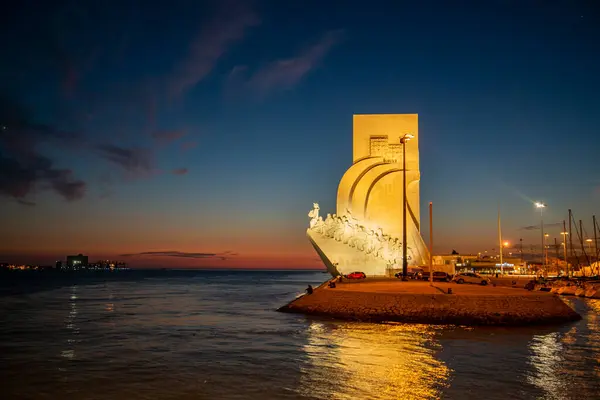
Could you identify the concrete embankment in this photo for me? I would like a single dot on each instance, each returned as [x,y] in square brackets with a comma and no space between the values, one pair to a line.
[421,303]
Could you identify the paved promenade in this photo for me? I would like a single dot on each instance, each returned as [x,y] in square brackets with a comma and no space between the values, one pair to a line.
[422,287]
[418,302]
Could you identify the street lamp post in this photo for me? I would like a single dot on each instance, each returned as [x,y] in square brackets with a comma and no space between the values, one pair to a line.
[541,206]
[502,246]
[546,249]
[403,140]
[564,235]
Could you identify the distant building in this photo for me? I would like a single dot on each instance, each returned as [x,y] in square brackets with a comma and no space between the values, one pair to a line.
[449,263]
[77,261]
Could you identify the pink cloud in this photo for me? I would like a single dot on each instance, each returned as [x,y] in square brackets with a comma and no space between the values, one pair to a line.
[284,74]
[227,28]
[180,171]
[168,136]
[188,145]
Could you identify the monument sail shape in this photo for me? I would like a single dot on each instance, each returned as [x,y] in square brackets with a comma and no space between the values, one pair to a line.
[365,233]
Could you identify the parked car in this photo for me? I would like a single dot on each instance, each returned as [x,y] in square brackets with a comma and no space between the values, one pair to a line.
[356,275]
[471,277]
[437,276]
[411,273]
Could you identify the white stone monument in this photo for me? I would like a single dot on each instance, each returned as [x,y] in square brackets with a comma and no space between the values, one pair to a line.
[366,232]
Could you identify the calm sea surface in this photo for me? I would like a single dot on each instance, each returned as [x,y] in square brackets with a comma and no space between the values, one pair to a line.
[215,335]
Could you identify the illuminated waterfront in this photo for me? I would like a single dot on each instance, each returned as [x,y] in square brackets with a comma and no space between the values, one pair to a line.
[215,335]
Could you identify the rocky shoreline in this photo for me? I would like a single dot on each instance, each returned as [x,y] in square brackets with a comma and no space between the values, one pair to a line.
[590,290]
[513,308]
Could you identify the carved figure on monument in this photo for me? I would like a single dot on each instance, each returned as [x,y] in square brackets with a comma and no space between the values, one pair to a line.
[378,243]
[370,247]
[339,229]
[348,231]
[314,214]
[319,226]
[332,226]
[396,251]
[360,240]
[351,217]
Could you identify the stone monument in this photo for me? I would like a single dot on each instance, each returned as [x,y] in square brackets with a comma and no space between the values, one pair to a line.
[365,233]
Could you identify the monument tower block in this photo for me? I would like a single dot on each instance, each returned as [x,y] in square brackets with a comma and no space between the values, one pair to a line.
[365,233]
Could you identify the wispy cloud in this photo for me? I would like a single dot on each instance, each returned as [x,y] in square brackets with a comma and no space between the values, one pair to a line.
[134,160]
[19,177]
[286,73]
[188,145]
[181,254]
[227,28]
[180,171]
[23,168]
[536,227]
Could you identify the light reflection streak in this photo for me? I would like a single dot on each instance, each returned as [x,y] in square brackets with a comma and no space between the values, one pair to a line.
[546,361]
[593,324]
[372,361]
[70,324]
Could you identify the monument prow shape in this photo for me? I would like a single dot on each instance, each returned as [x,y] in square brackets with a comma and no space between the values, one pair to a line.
[365,233]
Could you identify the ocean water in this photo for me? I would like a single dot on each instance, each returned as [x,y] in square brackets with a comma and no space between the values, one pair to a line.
[216,335]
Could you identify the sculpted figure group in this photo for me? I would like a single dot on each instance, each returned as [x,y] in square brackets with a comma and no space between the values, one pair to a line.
[348,230]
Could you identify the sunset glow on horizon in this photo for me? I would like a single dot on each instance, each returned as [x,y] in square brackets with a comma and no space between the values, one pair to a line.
[206,142]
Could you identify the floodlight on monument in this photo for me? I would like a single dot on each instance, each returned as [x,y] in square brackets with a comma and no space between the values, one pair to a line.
[406,138]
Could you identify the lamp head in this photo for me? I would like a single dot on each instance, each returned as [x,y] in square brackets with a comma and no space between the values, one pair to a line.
[539,204]
[406,138]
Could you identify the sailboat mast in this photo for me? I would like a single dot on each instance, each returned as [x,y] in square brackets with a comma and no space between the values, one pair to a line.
[587,257]
[595,238]
[500,242]
[570,235]
[565,233]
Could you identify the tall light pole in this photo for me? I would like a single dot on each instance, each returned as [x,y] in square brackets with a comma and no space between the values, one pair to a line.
[430,243]
[500,242]
[541,206]
[502,246]
[546,249]
[564,235]
[403,140]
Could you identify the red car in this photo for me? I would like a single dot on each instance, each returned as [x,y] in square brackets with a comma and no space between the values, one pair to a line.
[356,275]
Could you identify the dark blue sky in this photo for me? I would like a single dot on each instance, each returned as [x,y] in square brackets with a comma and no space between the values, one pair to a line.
[206,127]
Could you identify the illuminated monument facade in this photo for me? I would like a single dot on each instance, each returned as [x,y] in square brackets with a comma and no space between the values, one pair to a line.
[365,233]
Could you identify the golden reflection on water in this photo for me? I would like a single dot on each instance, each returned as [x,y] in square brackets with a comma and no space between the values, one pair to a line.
[546,359]
[71,325]
[594,336]
[372,361]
